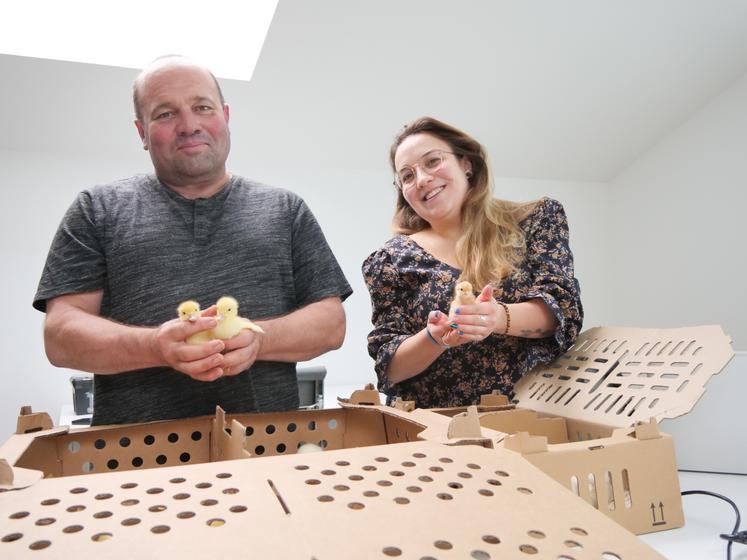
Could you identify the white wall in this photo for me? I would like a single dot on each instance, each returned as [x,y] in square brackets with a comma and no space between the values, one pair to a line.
[677,225]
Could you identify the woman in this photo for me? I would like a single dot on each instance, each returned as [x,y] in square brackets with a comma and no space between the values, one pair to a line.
[451,229]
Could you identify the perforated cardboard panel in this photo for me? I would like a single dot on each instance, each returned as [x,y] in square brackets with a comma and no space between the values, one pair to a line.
[618,376]
[411,500]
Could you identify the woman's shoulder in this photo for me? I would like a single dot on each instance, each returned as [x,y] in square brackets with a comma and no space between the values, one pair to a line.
[542,211]
[391,251]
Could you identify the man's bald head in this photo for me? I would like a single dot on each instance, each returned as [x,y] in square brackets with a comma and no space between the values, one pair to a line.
[163,63]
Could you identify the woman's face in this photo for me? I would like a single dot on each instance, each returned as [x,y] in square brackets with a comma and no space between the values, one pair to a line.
[433,180]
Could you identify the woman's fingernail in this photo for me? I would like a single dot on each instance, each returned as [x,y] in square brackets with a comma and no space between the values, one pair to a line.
[460,333]
[458,311]
[454,326]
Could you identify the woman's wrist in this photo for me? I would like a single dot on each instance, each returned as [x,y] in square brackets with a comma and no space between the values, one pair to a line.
[503,327]
[433,339]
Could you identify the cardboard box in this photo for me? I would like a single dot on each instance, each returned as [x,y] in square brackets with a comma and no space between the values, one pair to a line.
[589,420]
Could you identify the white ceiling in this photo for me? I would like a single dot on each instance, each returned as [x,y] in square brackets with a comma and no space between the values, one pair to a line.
[572,90]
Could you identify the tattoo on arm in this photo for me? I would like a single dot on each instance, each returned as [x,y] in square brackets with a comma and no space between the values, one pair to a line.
[536,333]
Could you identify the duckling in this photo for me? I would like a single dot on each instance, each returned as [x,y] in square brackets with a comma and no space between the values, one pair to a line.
[463,295]
[229,322]
[190,311]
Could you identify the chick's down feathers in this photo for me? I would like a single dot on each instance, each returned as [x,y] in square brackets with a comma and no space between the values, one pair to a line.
[229,322]
[190,311]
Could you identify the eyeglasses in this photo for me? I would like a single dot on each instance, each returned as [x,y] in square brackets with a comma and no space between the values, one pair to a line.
[431,162]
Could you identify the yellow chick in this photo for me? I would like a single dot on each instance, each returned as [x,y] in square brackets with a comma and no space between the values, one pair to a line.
[229,322]
[190,311]
[463,295]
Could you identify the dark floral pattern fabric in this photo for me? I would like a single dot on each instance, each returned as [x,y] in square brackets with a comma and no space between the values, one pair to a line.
[406,283]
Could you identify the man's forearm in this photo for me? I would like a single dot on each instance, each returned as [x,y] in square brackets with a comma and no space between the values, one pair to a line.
[304,334]
[78,340]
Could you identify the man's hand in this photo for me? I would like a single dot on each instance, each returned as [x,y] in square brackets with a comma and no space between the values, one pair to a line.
[203,362]
[241,351]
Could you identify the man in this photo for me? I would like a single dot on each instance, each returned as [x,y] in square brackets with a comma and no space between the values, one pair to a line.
[126,254]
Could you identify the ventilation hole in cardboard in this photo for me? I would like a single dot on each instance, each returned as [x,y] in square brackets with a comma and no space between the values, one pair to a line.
[356,505]
[455,485]
[157,508]
[216,522]
[103,496]
[491,539]
[130,521]
[22,514]
[149,440]
[79,490]
[502,473]
[311,425]
[341,487]
[137,462]
[249,431]
[369,468]
[683,385]
[653,403]
[328,472]
[588,404]
[208,502]
[493,482]
[610,556]
[325,498]
[524,490]
[396,473]
[626,489]
[237,509]
[573,545]
[414,489]
[610,491]
[443,545]
[485,492]
[384,483]
[332,424]
[99,444]
[130,502]
[259,450]
[419,455]
[381,459]
[173,437]
[579,531]
[45,521]
[464,475]
[203,485]
[102,514]
[79,507]
[536,534]
[185,457]
[370,493]
[160,529]
[231,491]
[280,448]
[72,529]
[592,486]
[73,447]
[444,496]
[428,558]
[659,387]
[181,496]
[50,502]
[124,441]
[313,481]
[87,467]
[39,545]
[408,464]
[161,459]
[223,475]
[574,485]
[355,477]
[473,466]
[196,435]
[425,478]
[302,467]
[154,490]
[436,468]
[342,463]
[480,555]
[112,464]
[528,549]
[446,460]
[391,551]
[186,515]
[12,537]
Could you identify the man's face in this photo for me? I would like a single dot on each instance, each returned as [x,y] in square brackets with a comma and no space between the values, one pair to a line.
[184,125]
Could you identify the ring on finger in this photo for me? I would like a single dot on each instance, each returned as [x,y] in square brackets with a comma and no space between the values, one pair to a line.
[483,319]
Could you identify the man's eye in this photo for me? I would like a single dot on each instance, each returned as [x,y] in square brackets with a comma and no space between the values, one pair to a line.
[204,108]
[164,115]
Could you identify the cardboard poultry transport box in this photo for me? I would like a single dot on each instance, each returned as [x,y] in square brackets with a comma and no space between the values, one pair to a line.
[589,420]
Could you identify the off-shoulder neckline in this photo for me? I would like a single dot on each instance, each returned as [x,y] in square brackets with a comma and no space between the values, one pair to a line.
[408,239]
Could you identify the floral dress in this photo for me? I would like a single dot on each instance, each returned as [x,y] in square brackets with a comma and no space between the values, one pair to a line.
[406,283]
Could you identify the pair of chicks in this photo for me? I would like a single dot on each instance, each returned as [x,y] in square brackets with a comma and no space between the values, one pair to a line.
[229,322]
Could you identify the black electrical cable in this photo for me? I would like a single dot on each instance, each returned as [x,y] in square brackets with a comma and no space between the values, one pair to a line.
[736,535]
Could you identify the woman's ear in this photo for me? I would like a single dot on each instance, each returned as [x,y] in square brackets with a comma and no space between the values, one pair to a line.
[466,164]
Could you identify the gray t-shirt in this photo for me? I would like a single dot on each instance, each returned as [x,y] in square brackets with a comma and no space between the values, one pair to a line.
[148,248]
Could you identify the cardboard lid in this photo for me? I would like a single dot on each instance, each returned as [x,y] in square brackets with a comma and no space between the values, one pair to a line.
[618,376]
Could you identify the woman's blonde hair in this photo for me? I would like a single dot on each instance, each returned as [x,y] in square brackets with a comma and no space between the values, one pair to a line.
[491,245]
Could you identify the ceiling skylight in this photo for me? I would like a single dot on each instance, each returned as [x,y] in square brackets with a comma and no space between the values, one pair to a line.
[225,36]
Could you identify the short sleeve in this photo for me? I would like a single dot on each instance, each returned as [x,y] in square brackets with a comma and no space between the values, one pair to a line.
[76,261]
[389,315]
[550,263]
[316,272]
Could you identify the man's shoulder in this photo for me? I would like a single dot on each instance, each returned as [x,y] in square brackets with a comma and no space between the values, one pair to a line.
[250,187]
[123,187]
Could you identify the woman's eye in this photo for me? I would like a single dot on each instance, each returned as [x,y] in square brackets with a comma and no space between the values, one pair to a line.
[432,162]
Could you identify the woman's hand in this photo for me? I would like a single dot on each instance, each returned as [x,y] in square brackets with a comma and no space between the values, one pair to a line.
[476,321]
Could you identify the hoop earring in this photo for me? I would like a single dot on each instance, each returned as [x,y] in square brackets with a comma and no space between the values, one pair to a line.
[468,174]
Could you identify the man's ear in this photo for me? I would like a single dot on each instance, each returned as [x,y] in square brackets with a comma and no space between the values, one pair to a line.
[226,111]
[141,132]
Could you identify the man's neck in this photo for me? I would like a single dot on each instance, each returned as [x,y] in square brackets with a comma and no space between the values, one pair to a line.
[204,189]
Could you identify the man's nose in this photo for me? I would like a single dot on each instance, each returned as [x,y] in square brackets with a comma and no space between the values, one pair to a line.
[188,123]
